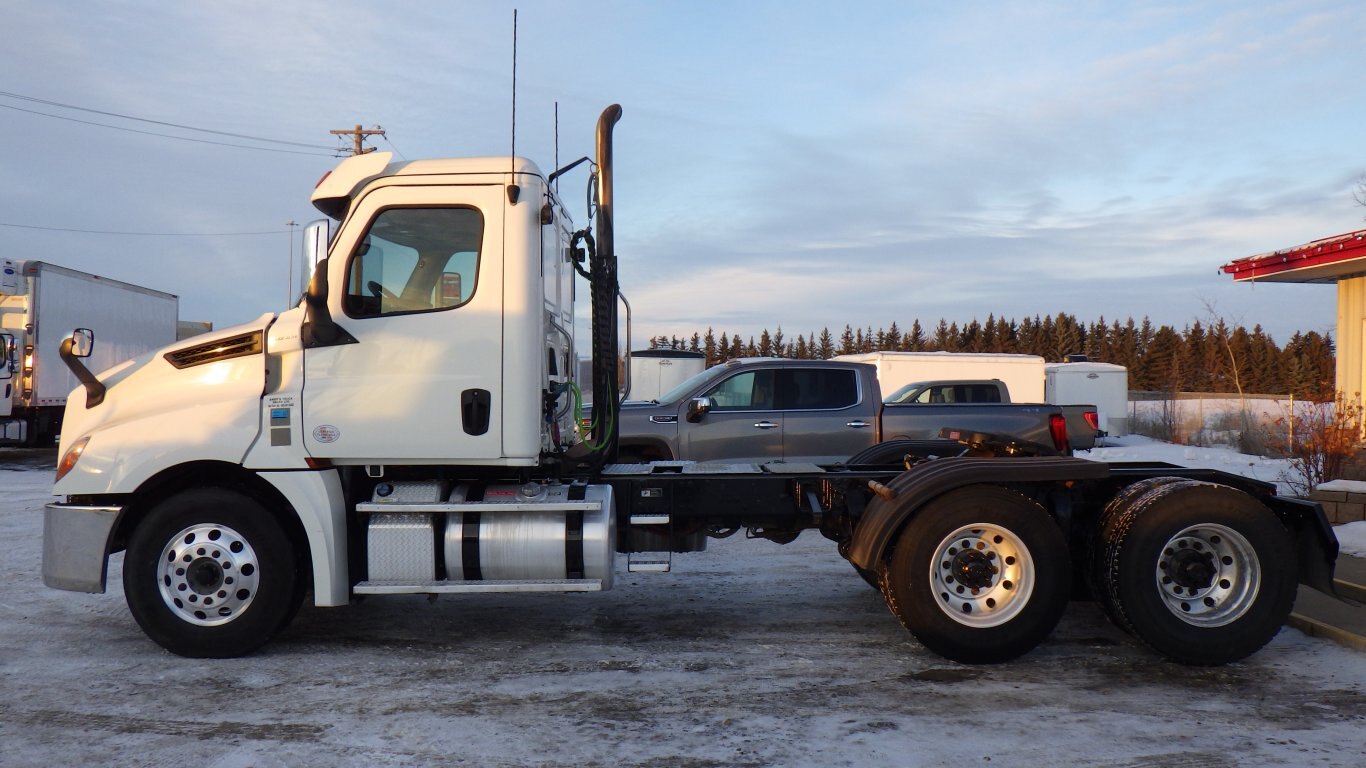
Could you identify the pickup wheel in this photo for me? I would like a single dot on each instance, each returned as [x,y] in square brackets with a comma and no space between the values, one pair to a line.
[1202,573]
[210,574]
[979,575]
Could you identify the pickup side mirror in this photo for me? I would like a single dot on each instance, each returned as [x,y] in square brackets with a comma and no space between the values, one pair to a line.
[697,408]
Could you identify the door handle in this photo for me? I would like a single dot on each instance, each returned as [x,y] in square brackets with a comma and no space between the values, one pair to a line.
[857,423]
[765,425]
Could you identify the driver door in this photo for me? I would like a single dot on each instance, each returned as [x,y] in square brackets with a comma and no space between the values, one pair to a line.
[418,285]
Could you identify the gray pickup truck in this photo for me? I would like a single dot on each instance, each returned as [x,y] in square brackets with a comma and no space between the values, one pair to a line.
[760,410]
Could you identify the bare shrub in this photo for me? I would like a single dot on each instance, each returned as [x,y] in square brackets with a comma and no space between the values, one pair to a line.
[1319,438]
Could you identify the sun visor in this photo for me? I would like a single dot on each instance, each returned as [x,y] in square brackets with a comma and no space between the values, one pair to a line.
[333,192]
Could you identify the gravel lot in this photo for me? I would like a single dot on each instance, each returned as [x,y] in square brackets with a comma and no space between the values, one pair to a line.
[749,654]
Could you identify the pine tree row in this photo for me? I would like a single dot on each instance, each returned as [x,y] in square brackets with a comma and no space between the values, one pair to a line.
[1217,358]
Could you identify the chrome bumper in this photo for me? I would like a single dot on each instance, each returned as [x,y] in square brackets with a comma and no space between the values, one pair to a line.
[76,545]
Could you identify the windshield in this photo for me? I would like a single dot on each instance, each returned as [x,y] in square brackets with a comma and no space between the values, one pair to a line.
[678,392]
[901,395]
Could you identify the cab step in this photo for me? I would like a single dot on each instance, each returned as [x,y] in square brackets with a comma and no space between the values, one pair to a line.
[476,587]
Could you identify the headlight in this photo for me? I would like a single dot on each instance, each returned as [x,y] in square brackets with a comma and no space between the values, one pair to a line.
[72,455]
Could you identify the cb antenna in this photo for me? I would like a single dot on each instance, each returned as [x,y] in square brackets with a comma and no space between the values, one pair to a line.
[513,190]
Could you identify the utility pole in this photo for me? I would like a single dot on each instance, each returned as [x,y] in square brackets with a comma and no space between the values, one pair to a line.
[358,135]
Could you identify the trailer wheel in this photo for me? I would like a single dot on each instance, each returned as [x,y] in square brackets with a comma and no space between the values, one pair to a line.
[1202,573]
[979,575]
[210,574]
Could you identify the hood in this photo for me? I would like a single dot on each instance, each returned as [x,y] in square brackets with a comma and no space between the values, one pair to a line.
[173,377]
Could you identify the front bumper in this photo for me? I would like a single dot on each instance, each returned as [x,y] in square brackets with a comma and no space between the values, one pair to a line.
[76,545]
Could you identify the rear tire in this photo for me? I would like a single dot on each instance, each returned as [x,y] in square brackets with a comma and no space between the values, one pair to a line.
[209,573]
[1202,573]
[979,575]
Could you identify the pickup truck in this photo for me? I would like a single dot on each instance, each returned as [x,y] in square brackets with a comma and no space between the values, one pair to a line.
[1083,421]
[759,410]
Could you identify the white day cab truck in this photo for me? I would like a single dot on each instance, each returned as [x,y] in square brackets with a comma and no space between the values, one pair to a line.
[243,469]
[39,305]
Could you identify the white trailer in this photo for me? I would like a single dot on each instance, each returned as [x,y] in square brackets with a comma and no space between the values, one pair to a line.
[1104,384]
[656,371]
[40,304]
[1022,374]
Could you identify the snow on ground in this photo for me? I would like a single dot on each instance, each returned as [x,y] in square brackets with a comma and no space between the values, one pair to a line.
[1139,448]
[1352,538]
[749,654]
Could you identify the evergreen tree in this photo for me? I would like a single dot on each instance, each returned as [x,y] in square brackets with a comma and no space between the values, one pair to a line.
[847,342]
[915,338]
[825,348]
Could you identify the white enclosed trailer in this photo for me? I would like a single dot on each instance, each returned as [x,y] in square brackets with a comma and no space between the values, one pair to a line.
[1022,374]
[1104,384]
[40,304]
[656,371]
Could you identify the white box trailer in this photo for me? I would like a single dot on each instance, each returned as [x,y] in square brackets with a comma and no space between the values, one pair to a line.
[1022,374]
[40,304]
[656,371]
[1104,384]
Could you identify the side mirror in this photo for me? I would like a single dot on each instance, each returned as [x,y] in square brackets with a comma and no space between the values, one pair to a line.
[8,364]
[698,407]
[316,237]
[82,342]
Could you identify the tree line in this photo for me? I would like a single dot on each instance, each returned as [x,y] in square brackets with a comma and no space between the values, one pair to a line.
[1202,357]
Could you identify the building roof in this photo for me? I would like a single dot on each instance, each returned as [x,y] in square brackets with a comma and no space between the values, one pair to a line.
[1321,261]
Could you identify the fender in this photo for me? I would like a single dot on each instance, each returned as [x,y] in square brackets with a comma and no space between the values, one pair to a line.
[883,518]
[1316,546]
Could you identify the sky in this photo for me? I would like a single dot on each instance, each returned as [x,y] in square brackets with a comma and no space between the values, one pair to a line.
[792,164]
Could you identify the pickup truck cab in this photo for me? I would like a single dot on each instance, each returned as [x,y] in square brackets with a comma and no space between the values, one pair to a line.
[758,410]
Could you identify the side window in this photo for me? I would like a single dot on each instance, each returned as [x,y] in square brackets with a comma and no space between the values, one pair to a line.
[818,389]
[982,393]
[748,391]
[415,260]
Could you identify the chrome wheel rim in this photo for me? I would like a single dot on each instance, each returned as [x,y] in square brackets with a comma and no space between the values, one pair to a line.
[1208,575]
[208,575]
[982,575]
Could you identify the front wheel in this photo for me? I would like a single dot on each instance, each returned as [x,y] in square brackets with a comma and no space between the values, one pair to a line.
[979,575]
[211,574]
[1202,573]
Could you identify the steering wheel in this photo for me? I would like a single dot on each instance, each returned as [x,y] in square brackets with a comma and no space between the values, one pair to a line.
[380,291]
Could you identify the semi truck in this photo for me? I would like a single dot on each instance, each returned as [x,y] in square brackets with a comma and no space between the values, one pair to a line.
[241,470]
[40,304]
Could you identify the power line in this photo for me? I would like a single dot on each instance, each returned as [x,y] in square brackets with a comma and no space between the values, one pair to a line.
[155,122]
[167,135]
[145,234]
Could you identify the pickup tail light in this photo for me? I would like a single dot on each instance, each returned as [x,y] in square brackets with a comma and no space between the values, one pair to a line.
[1057,427]
[1092,420]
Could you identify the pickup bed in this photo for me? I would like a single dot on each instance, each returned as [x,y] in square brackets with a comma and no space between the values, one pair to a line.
[760,410]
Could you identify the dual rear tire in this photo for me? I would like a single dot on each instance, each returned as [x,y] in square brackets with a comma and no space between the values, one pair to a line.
[1202,573]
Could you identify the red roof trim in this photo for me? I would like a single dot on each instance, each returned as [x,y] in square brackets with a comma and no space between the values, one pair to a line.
[1329,250]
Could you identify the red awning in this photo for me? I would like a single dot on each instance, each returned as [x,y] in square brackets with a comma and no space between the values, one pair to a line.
[1322,261]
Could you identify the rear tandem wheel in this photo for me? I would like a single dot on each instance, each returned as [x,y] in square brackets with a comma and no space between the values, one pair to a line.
[1202,573]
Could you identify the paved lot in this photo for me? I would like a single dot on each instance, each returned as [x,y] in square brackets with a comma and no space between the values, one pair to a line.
[748,654]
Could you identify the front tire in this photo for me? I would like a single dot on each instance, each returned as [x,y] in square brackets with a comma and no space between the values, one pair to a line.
[1202,573]
[209,573]
[980,575]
